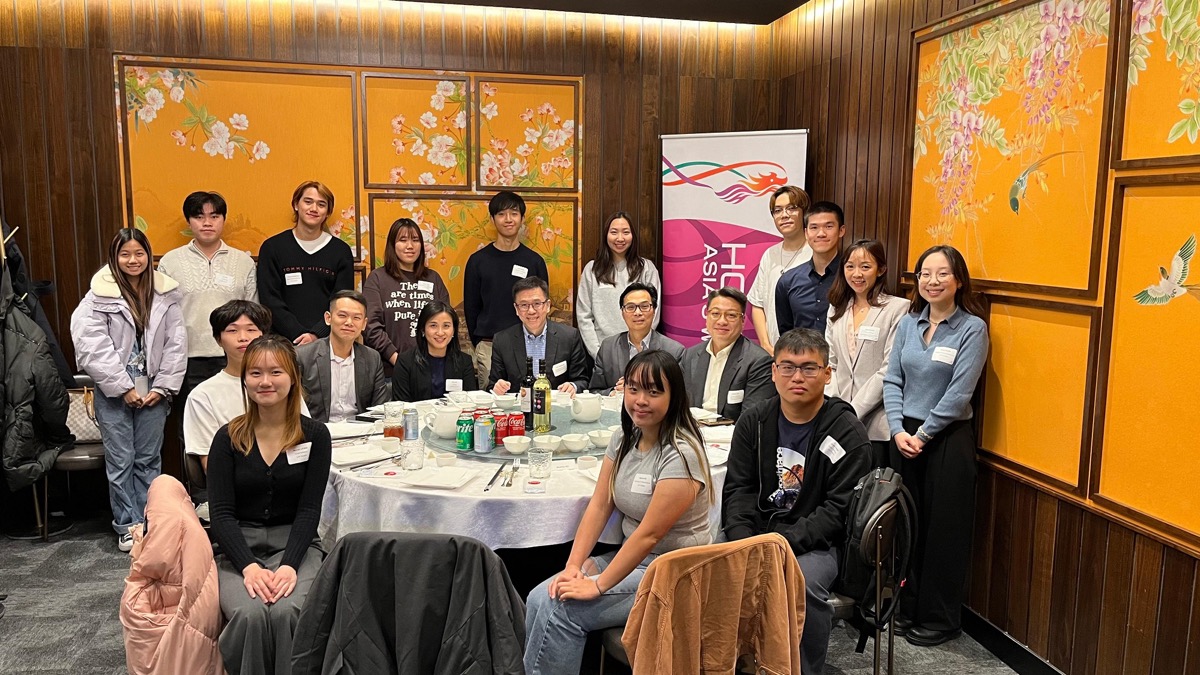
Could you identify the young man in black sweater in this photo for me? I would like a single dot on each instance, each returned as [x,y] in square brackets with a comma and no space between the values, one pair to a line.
[300,269]
[793,465]
[490,274]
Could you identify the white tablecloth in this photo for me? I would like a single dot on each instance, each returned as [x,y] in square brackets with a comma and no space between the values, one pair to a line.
[501,518]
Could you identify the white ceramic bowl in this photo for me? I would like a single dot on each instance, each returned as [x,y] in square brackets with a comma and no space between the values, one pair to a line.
[600,437]
[548,442]
[446,459]
[506,401]
[586,462]
[575,442]
[481,398]
[516,445]
[616,429]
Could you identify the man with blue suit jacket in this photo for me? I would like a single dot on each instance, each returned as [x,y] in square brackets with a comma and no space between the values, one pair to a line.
[638,303]
[728,373]
[559,345]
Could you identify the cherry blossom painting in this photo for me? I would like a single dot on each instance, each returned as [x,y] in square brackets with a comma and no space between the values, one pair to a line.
[528,134]
[416,131]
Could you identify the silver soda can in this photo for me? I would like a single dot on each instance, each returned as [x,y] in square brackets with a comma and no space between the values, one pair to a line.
[412,428]
[485,425]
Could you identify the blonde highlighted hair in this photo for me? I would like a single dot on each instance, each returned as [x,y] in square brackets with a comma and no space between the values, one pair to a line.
[322,190]
[242,428]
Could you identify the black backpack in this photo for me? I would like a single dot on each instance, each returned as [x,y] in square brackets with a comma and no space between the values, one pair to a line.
[856,579]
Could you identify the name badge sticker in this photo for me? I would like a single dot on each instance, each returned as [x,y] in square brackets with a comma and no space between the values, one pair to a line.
[737,395]
[945,355]
[520,272]
[293,279]
[453,385]
[223,280]
[559,368]
[832,449]
[868,333]
[643,484]
[299,453]
[426,286]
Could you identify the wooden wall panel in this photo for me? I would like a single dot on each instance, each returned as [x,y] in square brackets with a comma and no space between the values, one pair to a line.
[58,163]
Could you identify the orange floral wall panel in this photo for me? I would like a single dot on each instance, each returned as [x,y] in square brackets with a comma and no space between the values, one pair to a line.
[415,131]
[250,135]
[528,134]
[1150,425]
[1008,142]
[454,227]
[1162,105]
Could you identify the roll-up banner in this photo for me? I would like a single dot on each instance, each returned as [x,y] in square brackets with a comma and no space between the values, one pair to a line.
[716,191]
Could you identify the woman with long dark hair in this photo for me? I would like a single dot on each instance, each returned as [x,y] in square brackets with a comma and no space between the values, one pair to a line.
[860,332]
[437,365]
[656,475]
[617,264]
[397,291]
[266,478]
[130,339]
[940,350]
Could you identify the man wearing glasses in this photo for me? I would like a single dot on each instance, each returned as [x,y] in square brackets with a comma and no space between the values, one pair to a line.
[638,304]
[788,205]
[728,373]
[793,465]
[802,295]
[559,345]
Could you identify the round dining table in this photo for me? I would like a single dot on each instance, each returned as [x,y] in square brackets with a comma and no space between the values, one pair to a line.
[376,498]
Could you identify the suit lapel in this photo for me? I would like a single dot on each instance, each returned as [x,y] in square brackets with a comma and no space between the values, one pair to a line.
[363,382]
[731,366]
[699,374]
[325,374]
[552,339]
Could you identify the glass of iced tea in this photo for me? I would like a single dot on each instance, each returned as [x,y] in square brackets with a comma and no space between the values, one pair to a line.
[393,419]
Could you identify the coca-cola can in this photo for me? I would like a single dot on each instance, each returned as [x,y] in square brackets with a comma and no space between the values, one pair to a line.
[516,424]
[501,427]
[479,412]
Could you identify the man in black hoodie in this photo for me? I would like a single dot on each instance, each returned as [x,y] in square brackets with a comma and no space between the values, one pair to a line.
[793,465]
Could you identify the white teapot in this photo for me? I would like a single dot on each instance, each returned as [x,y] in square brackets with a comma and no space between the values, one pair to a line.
[586,408]
[443,421]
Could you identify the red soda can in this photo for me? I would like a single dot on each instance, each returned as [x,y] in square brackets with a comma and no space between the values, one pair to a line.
[479,412]
[516,424]
[501,428]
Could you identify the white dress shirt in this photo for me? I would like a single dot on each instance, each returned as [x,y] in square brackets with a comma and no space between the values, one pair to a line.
[712,381]
[343,402]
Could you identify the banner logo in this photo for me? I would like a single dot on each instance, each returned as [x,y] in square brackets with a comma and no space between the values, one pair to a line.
[732,183]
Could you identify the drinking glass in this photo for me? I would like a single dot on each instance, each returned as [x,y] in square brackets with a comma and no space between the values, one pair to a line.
[393,419]
[539,463]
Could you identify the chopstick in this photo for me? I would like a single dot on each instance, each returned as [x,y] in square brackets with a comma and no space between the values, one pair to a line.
[494,477]
[368,465]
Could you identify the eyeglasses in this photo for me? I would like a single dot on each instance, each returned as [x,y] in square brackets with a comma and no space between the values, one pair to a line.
[941,277]
[644,308]
[532,306]
[809,370]
[716,314]
[780,210]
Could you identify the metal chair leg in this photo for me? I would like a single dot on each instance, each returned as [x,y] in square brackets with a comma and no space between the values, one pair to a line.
[41,516]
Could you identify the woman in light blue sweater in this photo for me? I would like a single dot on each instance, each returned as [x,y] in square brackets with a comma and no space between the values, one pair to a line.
[939,353]
[617,264]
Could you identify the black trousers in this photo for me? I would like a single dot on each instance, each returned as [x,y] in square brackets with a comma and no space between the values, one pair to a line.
[942,482]
[199,369]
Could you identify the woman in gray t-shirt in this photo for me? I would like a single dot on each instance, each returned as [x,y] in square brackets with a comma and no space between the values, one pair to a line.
[656,475]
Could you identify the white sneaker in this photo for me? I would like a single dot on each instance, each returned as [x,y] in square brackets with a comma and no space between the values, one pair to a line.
[202,511]
[125,542]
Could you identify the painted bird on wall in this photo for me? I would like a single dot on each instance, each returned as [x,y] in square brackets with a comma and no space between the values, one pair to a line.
[1170,285]
[1017,191]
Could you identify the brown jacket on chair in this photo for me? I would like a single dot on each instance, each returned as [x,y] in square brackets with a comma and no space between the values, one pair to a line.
[171,609]
[699,608]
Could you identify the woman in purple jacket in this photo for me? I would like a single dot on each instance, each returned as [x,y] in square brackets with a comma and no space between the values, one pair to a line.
[130,339]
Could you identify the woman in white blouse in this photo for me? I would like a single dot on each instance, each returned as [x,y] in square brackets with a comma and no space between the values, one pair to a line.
[861,327]
[617,264]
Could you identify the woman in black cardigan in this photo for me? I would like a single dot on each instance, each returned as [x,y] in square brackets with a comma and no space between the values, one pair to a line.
[266,478]
[437,365]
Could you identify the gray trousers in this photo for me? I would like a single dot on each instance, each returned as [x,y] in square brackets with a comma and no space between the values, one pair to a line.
[820,570]
[257,639]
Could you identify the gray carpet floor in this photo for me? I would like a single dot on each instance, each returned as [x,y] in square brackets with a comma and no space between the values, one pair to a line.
[63,597]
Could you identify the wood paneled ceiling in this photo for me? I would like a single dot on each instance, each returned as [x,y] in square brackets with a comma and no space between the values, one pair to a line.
[756,11]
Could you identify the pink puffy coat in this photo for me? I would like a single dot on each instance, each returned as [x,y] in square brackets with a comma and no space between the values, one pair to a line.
[171,608]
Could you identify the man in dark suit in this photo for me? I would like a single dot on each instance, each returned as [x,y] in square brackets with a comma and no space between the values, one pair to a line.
[341,377]
[728,373]
[638,304]
[561,346]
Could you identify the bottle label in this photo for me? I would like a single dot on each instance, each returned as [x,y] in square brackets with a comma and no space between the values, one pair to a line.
[539,403]
[526,400]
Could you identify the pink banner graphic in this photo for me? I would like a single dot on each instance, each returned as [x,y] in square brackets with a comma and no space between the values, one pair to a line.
[704,255]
